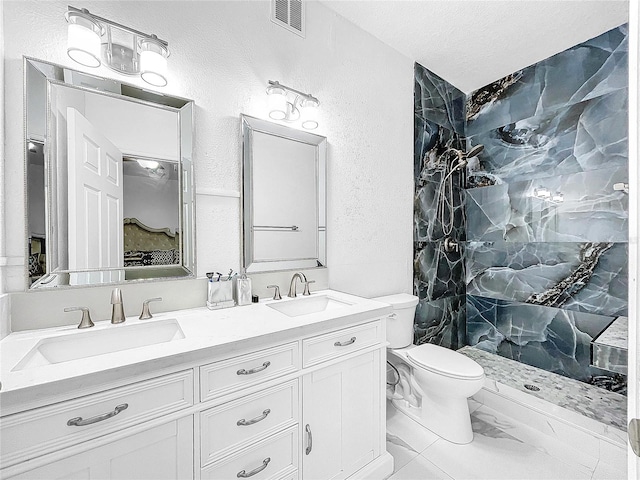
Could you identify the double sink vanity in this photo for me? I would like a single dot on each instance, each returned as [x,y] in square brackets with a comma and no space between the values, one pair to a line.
[288,389]
[281,389]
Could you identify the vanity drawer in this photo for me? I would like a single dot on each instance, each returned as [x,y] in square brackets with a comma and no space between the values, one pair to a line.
[35,432]
[272,458]
[330,345]
[247,419]
[228,376]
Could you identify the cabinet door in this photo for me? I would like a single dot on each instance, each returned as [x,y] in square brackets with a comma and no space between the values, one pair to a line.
[341,417]
[163,452]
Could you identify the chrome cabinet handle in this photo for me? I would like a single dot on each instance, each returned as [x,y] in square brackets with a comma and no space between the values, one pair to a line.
[307,450]
[344,344]
[244,474]
[242,371]
[79,422]
[243,423]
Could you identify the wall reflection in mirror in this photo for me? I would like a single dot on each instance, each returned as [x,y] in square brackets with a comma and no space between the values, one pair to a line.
[109,180]
[284,197]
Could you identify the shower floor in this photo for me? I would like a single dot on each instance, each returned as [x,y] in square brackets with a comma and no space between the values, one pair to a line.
[580,398]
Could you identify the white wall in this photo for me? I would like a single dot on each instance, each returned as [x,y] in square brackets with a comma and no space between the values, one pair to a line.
[222,54]
[4,299]
[152,202]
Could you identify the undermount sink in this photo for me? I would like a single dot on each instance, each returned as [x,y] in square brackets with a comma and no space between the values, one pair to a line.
[65,348]
[307,305]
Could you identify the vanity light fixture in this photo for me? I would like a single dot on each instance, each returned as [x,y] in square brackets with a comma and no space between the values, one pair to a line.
[93,40]
[290,105]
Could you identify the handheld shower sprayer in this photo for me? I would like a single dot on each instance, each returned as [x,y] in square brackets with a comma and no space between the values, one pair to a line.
[445,207]
[475,151]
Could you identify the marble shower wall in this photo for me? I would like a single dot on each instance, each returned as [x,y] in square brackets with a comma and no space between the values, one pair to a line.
[547,214]
[438,211]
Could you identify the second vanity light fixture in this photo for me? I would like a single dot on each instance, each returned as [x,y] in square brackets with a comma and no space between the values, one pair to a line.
[93,40]
[290,105]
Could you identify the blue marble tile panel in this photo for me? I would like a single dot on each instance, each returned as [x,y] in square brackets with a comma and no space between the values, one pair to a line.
[553,339]
[441,322]
[436,272]
[437,100]
[585,277]
[569,208]
[583,137]
[593,68]
[438,192]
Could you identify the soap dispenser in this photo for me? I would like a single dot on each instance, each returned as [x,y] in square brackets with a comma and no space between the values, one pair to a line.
[243,290]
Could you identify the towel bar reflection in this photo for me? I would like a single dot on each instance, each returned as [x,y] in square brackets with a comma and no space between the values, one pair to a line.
[293,228]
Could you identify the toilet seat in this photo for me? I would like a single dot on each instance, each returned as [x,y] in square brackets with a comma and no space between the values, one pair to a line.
[445,362]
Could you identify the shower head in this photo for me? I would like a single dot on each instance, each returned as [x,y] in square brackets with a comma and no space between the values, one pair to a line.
[474,151]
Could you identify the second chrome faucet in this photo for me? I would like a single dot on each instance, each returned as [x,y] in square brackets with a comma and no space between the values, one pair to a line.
[292,286]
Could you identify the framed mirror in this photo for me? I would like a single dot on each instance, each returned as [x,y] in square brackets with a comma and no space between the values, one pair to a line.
[283,197]
[110,181]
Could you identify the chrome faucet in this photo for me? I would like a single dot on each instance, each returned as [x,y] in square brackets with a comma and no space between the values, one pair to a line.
[292,287]
[86,316]
[146,313]
[117,308]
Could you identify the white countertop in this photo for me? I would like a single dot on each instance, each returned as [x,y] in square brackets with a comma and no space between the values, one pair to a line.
[207,333]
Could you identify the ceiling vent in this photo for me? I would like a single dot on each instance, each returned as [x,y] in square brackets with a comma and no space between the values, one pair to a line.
[289,14]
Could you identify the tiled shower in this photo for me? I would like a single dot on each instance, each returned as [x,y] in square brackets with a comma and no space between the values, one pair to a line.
[522,250]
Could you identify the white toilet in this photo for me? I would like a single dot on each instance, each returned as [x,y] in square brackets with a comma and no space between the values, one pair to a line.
[434,382]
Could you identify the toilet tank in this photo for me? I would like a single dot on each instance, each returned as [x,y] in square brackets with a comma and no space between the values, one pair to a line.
[400,322]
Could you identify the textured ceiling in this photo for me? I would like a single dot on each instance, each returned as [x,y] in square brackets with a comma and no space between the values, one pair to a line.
[471,43]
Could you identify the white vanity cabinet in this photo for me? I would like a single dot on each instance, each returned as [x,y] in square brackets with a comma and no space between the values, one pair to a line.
[307,407]
[341,408]
[159,453]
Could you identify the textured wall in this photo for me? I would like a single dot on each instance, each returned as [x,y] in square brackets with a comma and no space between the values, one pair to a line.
[542,275]
[223,53]
[4,299]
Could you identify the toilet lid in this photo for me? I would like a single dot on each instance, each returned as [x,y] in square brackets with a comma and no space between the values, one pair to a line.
[447,362]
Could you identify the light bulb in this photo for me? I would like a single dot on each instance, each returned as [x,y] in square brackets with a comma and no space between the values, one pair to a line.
[153,61]
[83,39]
[277,103]
[310,114]
[148,164]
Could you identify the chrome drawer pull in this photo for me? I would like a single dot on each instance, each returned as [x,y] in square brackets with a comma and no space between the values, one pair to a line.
[242,371]
[307,450]
[344,344]
[243,474]
[259,418]
[79,422]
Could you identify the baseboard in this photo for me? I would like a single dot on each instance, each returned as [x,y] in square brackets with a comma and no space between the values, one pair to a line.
[378,469]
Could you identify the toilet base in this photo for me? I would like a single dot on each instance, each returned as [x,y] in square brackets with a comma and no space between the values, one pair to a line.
[448,418]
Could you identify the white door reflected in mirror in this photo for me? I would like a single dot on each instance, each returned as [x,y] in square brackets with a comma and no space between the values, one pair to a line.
[95,203]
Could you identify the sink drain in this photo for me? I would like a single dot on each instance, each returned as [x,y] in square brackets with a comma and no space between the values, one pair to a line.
[533,388]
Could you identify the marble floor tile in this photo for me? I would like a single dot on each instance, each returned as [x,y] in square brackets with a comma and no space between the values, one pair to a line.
[405,438]
[604,471]
[420,469]
[547,444]
[502,449]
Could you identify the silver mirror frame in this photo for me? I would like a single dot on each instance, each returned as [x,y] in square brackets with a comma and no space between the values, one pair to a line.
[185,108]
[249,264]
